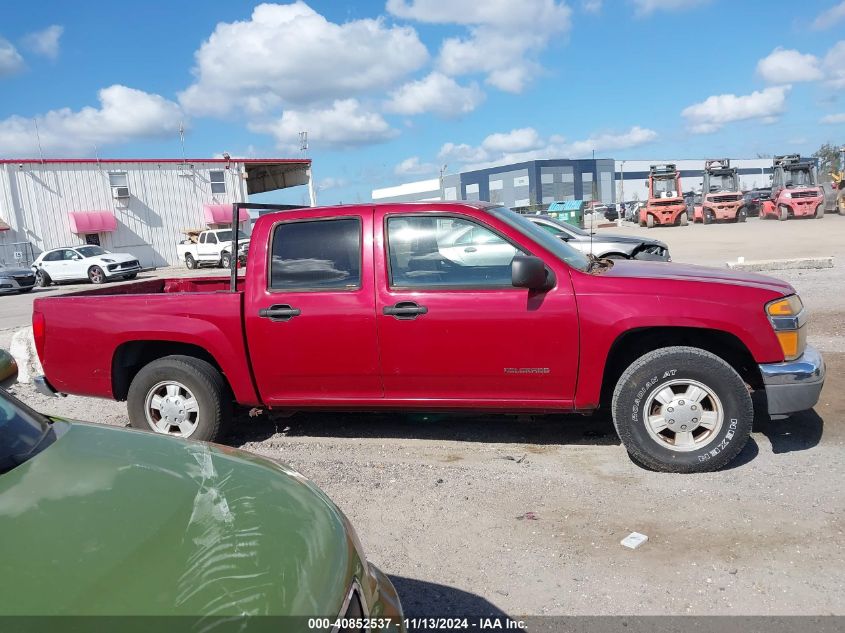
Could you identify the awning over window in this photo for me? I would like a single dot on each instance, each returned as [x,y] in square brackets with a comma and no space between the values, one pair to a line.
[222,214]
[92,222]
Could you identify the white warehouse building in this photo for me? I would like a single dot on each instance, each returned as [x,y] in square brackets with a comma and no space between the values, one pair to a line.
[137,206]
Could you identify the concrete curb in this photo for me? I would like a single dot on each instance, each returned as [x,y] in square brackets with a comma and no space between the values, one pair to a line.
[23,351]
[783,264]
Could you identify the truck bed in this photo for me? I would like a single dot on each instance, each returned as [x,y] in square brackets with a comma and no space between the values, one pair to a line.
[90,334]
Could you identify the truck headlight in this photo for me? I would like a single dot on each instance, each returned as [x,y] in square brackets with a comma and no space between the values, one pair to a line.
[788,320]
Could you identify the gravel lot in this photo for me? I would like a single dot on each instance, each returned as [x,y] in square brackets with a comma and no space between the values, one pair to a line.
[439,501]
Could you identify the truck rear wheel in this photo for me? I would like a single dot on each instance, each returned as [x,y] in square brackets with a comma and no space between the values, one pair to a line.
[682,409]
[742,215]
[180,396]
[783,213]
[190,262]
[684,219]
[820,211]
[649,221]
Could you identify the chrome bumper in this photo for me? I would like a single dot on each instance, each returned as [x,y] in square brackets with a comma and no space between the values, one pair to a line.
[43,386]
[794,385]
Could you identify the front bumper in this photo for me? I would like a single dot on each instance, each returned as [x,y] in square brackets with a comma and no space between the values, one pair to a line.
[16,284]
[795,385]
[386,601]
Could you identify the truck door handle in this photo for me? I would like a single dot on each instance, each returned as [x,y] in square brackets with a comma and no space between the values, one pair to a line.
[470,249]
[405,310]
[279,312]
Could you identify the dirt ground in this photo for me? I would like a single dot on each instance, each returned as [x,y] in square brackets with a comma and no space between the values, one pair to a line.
[440,502]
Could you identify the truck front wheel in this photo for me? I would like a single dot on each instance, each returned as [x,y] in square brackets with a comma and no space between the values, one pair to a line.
[682,409]
[225,260]
[180,396]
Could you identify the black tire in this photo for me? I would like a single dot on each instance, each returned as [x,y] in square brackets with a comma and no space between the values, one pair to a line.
[201,378]
[42,279]
[648,376]
[25,290]
[225,260]
[683,219]
[130,276]
[707,217]
[96,275]
[742,215]
[190,262]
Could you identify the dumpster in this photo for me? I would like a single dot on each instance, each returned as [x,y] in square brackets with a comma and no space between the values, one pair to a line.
[569,211]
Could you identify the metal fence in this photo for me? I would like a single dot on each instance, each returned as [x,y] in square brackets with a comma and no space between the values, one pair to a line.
[17,254]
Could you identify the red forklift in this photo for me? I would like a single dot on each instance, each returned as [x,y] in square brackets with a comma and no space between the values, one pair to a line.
[721,198]
[666,205]
[795,190]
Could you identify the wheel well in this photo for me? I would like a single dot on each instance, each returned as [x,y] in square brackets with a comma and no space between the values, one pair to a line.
[131,357]
[631,345]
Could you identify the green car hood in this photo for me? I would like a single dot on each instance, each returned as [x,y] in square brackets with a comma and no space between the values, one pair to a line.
[113,521]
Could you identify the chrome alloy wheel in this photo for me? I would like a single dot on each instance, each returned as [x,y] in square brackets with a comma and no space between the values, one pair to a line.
[172,409]
[683,415]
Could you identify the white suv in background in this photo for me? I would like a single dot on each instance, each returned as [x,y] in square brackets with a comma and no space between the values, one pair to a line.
[74,263]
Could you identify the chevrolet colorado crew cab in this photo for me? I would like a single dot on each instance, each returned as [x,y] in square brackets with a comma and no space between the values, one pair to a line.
[400,306]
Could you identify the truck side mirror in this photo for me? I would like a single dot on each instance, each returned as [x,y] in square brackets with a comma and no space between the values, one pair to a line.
[530,272]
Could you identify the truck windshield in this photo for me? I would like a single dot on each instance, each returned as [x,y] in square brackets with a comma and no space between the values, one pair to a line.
[799,178]
[226,236]
[91,251]
[664,188]
[561,249]
[23,432]
[722,182]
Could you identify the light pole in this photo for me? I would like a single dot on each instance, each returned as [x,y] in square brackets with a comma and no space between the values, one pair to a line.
[442,171]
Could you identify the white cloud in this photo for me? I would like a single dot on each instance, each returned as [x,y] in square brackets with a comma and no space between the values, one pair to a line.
[504,37]
[717,110]
[526,144]
[834,65]
[520,140]
[830,17]
[291,54]
[331,182]
[644,7]
[435,93]
[10,60]
[833,119]
[125,114]
[45,42]
[344,124]
[591,6]
[413,167]
[784,66]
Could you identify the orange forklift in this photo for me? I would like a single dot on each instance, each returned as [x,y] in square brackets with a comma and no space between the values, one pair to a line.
[721,198]
[665,206]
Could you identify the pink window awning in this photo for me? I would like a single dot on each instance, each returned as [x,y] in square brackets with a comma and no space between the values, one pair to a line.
[222,214]
[92,222]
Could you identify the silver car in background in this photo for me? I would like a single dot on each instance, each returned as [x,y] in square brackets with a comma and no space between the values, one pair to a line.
[17,280]
[604,245]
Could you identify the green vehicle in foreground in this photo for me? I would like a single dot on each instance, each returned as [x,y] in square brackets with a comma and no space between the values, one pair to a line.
[98,520]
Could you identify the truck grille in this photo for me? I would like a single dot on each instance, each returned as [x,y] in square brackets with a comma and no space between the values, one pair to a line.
[667,203]
[729,198]
[812,193]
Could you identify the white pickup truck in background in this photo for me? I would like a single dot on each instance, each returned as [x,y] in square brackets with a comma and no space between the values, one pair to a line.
[212,248]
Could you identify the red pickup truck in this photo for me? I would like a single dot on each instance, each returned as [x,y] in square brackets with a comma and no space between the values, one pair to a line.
[442,306]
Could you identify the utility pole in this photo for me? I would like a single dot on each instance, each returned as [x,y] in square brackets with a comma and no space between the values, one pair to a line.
[442,190]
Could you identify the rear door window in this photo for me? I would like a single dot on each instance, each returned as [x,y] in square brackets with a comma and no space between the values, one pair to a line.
[316,255]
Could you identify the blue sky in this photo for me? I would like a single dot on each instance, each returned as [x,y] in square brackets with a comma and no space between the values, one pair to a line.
[391,90]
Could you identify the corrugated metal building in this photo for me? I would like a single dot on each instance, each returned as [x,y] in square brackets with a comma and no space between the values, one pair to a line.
[137,206]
